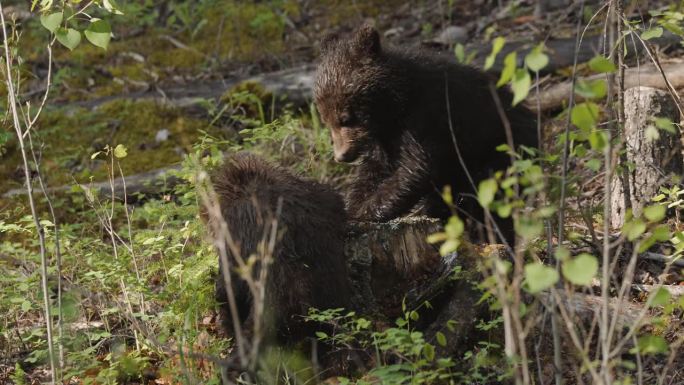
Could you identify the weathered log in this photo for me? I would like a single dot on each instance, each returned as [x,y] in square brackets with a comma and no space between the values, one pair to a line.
[655,161]
[151,183]
[647,76]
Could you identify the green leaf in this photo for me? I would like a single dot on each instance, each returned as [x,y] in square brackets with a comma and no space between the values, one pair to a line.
[441,338]
[654,213]
[584,115]
[497,45]
[99,33]
[429,352]
[594,164]
[536,59]
[580,270]
[454,227]
[449,246]
[528,227]
[504,211]
[597,140]
[112,7]
[652,33]
[486,192]
[539,277]
[120,151]
[52,21]
[594,89]
[509,68]
[436,238]
[659,297]
[562,253]
[601,65]
[633,229]
[321,335]
[666,124]
[520,85]
[650,344]
[459,51]
[69,37]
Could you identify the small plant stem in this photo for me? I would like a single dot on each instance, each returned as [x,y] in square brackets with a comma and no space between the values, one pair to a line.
[27,177]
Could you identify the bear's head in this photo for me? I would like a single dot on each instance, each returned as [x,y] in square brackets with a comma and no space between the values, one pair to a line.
[353,84]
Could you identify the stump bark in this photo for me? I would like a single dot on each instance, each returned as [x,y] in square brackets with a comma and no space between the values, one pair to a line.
[652,161]
[392,264]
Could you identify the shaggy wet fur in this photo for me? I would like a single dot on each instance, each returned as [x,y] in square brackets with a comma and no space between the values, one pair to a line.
[396,112]
[308,267]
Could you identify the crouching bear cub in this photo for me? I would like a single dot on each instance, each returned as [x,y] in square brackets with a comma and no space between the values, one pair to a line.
[308,266]
[394,113]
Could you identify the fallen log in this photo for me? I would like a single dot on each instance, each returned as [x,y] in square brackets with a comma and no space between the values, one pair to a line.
[645,76]
[151,183]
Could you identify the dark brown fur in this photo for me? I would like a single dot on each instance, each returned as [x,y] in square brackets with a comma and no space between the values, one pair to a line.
[388,112]
[308,268]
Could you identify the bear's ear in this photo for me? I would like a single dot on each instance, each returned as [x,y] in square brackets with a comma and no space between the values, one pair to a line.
[366,41]
[329,42]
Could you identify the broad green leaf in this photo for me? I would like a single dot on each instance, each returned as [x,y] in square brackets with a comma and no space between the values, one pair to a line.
[120,151]
[449,246]
[659,297]
[536,59]
[69,37]
[581,269]
[504,210]
[601,64]
[594,89]
[520,85]
[99,33]
[454,227]
[584,115]
[597,140]
[666,124]
[509,68]
[112,7]
[652,33]
[594,164]
[52,21]
[486,192]
[654,213]
[436,238]
[562,253]
[650,344]
[441,338]
[429,352]
[528,227]
[321,335]
[497,45]
[539,277]
[633,229]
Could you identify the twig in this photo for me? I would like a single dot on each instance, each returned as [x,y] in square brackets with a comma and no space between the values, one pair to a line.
[27,178]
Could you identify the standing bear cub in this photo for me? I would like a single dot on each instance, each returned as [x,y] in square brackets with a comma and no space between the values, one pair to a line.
[399,115]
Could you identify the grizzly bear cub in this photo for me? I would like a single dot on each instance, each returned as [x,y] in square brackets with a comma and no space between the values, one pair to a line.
[308,267]
[399,116]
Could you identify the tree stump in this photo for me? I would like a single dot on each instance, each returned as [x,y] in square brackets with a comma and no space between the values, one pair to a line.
[391,264]
[654,159]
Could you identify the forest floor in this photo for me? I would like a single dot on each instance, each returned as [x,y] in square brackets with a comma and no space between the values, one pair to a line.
[168,85]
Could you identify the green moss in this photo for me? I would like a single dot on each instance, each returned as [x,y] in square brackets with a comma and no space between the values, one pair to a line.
[67,141]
